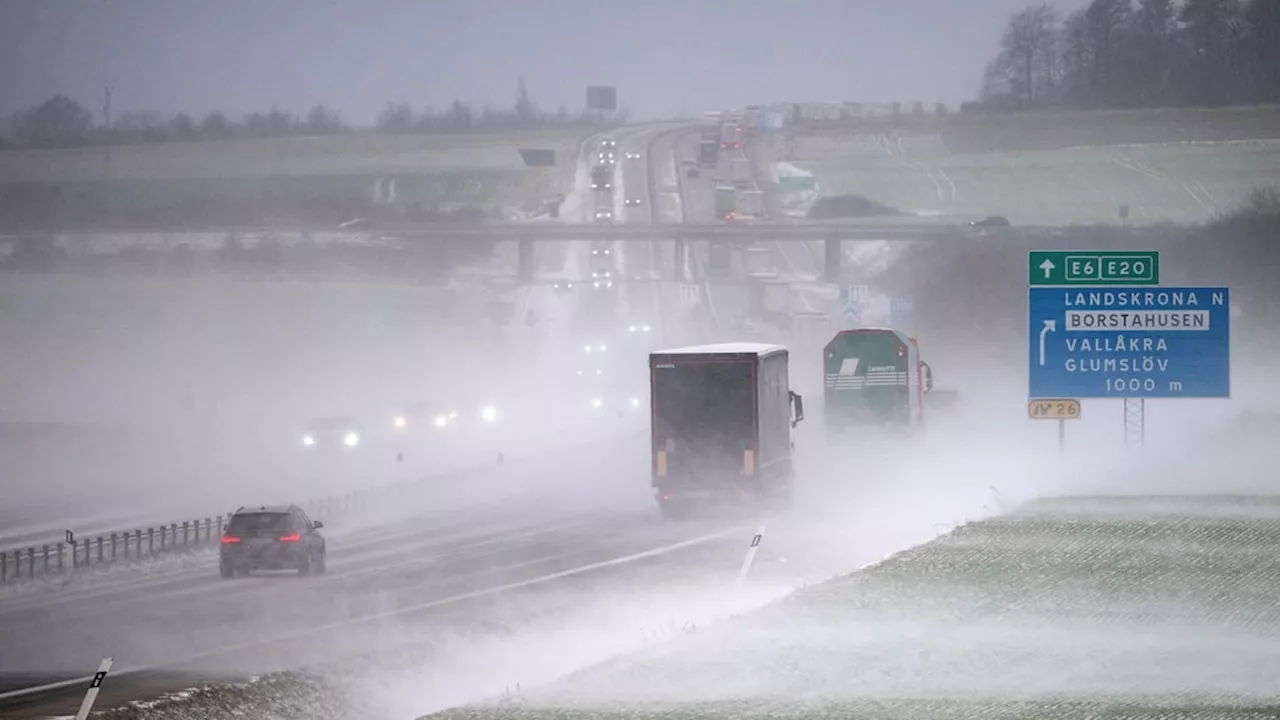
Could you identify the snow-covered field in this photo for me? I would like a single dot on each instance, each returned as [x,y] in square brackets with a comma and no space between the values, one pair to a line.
[1159,182]
[1060,609]
[348,154]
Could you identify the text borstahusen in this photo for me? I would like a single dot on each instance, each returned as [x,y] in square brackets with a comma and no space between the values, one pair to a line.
[1163,320]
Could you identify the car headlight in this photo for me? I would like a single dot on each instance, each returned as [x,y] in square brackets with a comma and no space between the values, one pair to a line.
[488,413]
[400,422]
[440,421]
[635,402]
[351,439]
[597,403]
[308,440]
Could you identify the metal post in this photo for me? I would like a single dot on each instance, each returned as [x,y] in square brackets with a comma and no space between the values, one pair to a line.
[46,559]
[1062,436]
[1135,416]
[31,563]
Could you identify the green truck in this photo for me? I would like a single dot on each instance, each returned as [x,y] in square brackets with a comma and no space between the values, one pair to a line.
[726,202]
[873,378]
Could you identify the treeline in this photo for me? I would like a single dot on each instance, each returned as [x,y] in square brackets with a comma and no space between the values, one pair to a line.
[1138,53]
[62,122]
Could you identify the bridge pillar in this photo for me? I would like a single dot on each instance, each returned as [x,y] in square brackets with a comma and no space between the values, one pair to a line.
[525,260]
[679,260]
[832,257]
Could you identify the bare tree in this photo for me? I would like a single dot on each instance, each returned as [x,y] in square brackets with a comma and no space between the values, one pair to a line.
[1029,39]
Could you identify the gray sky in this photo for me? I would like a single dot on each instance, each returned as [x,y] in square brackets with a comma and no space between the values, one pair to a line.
[665,56]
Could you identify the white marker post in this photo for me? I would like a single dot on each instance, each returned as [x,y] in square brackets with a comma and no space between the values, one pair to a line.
[94,687]
[751,555]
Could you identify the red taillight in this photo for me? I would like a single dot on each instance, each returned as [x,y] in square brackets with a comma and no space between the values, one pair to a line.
[291,537]
[229,539]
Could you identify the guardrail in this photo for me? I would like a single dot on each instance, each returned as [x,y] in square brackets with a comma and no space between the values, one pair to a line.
[75,554]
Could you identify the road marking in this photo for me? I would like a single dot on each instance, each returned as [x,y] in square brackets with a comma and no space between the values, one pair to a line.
[474,594]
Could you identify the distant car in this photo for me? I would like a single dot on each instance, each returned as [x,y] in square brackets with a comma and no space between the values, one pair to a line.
[608,158]
[602,284]
[590,372]
[631,155]
[562,288]
[332,433]
[614,402]
[599,274]
[991,221]
[604,214]
[271,537]
[596,347]
[632,202]
[608,143]
[601,252]
[420,415]
[638,328]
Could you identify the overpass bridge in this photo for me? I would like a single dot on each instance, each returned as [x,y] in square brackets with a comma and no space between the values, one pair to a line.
[527,234]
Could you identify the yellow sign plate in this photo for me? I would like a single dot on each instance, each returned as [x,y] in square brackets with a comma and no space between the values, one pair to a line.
[1053,409]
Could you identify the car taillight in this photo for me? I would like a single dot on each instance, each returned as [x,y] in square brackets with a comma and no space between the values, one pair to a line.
[291,537]
[229,539]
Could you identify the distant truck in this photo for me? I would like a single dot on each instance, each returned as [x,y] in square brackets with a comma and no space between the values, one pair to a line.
[709,153]
[726,202]
[751,203]
[722,417]
[873,378]
[740,173]
[601,177]
[730,136]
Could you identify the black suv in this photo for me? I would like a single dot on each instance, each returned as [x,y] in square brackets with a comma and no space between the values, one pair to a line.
[271,538]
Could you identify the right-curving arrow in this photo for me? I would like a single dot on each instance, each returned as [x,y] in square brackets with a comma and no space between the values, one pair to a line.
[1049,326]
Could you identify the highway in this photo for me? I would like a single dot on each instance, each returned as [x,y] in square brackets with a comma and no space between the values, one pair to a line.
[561,511]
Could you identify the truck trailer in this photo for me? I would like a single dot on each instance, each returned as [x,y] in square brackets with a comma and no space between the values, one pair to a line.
[726,202]
[709,153]
[873,378]
[721,421]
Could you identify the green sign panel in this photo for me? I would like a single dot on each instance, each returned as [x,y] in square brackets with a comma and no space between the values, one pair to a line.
[1086,267]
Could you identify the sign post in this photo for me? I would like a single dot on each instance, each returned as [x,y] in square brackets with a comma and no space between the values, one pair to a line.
[1100,326]
[1060,409]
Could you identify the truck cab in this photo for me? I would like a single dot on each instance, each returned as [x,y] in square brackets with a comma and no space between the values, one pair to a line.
[874,380]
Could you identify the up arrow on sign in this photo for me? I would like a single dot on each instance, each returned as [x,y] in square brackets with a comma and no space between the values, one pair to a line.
[1047,266]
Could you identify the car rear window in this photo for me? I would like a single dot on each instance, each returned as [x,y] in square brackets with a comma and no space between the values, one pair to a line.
[266,522]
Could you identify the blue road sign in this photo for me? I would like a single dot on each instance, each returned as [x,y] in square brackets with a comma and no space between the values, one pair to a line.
[1152,342]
